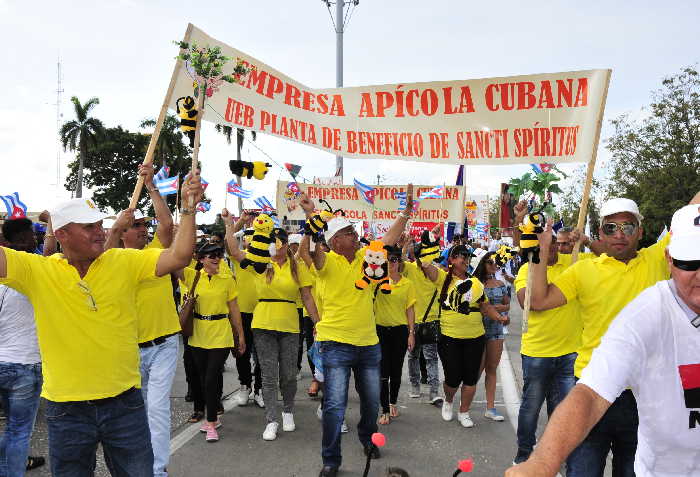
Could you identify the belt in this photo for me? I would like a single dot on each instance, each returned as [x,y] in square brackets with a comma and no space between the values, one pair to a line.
[471,308]
[112,398]
[220,316]
[157,341]
[276,300]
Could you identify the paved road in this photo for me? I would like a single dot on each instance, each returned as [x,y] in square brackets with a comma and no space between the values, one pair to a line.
[418,440]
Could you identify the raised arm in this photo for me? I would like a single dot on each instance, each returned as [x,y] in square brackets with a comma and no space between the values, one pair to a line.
[179,254]
[125,219]
[545,296]
[164,230]
[50,245]
[232,242]
[431,271]
[520,210]
[399,225]
[318,256]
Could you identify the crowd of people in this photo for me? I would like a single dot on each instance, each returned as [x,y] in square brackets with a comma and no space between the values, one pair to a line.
[93,320]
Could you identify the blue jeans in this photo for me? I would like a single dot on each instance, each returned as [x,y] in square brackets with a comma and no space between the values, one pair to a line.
[548,379]
[119,423]
[616,431]
[158,365]
[431,363]
[338,360]
[20,387]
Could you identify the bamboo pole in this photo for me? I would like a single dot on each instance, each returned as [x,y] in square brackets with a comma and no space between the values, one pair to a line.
[148,159]
[583,209]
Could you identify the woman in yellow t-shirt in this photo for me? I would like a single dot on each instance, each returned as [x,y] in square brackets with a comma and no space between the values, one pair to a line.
[461,345]
[216,319]
[276,331]
[395,316]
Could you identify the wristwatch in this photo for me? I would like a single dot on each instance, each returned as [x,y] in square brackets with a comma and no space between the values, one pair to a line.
[186,211]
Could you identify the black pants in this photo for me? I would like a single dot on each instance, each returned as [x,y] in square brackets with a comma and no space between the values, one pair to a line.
[194,385]
[393,341]
[243,366]
[210,364]
[306,332]
[461,359]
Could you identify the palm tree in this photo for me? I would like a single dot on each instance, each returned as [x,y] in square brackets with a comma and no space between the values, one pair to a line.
[170,136]
[76,135]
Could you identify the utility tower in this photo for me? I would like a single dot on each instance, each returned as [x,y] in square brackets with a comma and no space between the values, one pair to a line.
[59,117]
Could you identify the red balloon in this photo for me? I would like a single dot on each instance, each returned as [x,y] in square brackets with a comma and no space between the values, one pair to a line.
[378,439]
[466,465]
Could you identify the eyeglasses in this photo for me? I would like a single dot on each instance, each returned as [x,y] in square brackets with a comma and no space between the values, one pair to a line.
[687,265]
[343,234]
[394,259]
[611,227]
[85,288]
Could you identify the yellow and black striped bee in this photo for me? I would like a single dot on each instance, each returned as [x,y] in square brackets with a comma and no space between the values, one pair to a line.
[532,225]
[258,252]
[503,255]
[318,222]
[429,249]
[188,116]
[257,169]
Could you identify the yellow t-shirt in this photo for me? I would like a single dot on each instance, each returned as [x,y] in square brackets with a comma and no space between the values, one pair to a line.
[280,316]
[348,313]
[155,307]
[247,290]
[604,286]
[86,328]
[213,294]
[390,310]
[459,325]
[553,332]
[424,292]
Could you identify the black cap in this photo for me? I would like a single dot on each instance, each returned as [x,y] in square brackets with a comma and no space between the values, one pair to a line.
[460,250]
[207,248]
[393,251]
[280,234]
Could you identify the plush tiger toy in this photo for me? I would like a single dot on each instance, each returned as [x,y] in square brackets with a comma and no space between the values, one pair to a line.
[258,252]
[429,249]
[375,268]
[532,225]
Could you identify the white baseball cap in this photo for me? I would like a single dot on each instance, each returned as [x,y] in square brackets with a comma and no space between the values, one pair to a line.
[334,225]
[138,215]
[618,205]
[685,233]
[479,255]
[294,238]
[79,211]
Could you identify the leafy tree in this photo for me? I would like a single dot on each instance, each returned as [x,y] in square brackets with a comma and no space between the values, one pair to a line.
[656,159]
[111,167]
[169,141]
[570,203]
[540,186]
[79,134]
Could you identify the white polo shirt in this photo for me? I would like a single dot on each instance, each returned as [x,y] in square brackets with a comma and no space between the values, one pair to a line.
[18,343]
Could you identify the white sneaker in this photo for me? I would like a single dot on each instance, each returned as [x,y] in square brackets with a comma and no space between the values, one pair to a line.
[414,392]
[242,396]
[288,422]
[494,415]
[270,433]
[344,428]
[465,420]
[319,412]
[447,414]
[259,399]
[299,375]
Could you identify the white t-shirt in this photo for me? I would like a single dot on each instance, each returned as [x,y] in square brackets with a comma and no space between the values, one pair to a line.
[18,343]
[652,348]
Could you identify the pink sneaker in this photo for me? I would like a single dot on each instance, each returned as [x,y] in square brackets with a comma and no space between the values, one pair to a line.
[206,425]
[212,435]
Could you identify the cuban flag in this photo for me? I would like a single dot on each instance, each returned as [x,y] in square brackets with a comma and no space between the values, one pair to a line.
[234,189]
[542,168]
[264,204]
[558,226]
[402,201]
[205,184]
[168,185]
[203,206]
[16,209]
[434,193]
[162,174]
[366,192]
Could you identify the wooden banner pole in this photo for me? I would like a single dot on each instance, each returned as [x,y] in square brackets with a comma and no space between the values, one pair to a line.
[528,296]
[148,159]
[583,209]
[198,130]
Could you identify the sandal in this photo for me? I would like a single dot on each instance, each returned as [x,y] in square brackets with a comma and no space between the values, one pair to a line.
[313,389]
[393,410]
[34,462]
[196,416]
[384,419]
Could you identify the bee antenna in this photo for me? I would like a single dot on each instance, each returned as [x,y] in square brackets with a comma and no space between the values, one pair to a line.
[328,206]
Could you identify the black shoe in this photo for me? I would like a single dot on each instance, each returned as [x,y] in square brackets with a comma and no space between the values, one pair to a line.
[521,457]
[374,450]
[188,397]
[328,471]
[34,462]
[423,380]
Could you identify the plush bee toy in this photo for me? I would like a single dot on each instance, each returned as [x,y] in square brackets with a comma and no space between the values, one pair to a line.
[532,225]
[188,116]
[249,169]
[465,296]
[375,268]
[258,252]
[503,255]
[429,247]
[317,224]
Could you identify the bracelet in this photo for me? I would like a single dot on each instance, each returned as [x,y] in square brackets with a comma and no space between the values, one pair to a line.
[186,211]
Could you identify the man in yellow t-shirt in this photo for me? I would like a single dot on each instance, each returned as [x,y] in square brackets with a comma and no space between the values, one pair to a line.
[158,322]
[85,310]
[603,286]
[347,332]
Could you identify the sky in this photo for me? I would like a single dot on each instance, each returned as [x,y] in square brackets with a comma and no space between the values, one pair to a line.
[121,51]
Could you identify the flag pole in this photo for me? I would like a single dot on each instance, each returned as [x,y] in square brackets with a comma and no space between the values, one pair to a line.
[148,159]
[226,197]
[177,199]
[197,133]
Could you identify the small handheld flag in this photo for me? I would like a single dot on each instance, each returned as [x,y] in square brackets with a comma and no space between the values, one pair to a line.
[293,169]
[16,209]
[162,174]
[434,193]
[203,206]
[234,189]
[263,203]
[402,201]
[541,168]
[366,192]
[168,185]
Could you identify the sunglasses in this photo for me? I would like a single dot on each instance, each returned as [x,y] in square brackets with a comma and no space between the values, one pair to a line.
[85,288]
[611,227]
[687,265]
[394,259]
[465,256]
[214,255]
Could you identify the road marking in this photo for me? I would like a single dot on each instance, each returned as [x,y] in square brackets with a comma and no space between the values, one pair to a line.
[193,429]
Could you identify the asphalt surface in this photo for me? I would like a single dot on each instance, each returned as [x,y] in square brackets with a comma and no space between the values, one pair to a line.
[418,441]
